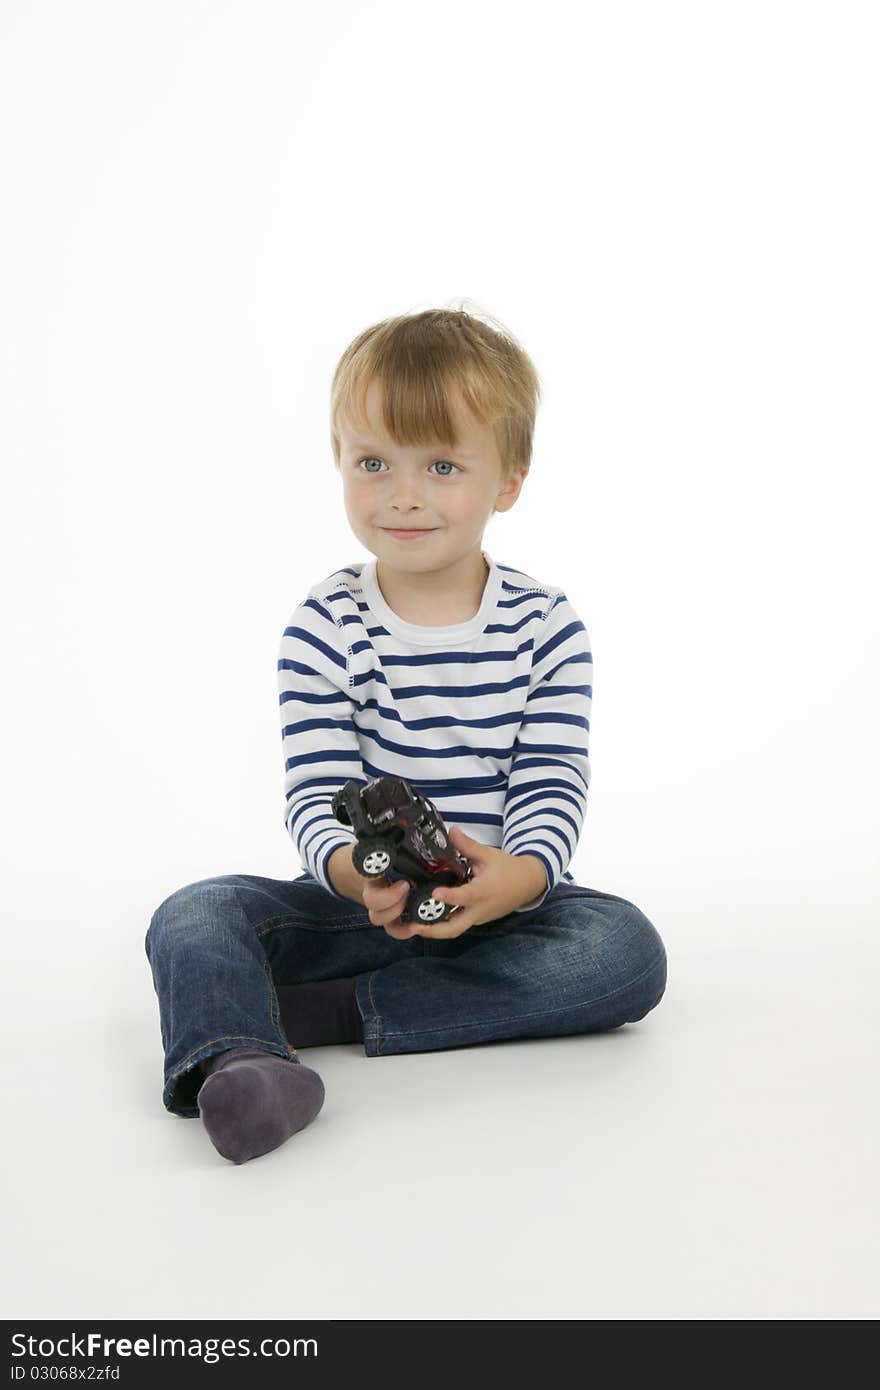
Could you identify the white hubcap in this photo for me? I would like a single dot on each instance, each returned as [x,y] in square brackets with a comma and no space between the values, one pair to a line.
[430,910]
[377,861]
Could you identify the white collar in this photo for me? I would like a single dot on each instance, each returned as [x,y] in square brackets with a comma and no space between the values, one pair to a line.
[432,636]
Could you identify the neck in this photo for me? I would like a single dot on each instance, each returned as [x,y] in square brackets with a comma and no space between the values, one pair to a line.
[435,598]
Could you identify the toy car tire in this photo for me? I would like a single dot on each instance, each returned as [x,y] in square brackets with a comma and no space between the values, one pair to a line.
[371,858]
[427,909]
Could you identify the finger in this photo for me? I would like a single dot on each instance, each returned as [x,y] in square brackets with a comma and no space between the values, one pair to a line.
[394,925]
[401,931]
[455,897]
[393,900]
[449,927]
[457,924]
[399,892]
[370,888]
[385,897]
[385,908]
[469,846]
[377,883]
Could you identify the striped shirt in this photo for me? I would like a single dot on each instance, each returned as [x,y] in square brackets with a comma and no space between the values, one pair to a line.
[489,718]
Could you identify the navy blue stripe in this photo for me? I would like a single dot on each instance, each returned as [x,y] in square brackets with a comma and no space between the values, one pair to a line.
[445,658]
[527,796]
[455,750]
[524,764]
[309,698]
[312,641]
[541,690]
[441,692]
[557,640]
[547,845]
[304,725]
[445,721]
[540,820]
[445,787]
[342,756]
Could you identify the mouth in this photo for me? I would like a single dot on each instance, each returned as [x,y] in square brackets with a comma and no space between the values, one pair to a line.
[409,534]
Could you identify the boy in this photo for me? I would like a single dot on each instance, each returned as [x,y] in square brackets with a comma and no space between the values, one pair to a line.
[471,680]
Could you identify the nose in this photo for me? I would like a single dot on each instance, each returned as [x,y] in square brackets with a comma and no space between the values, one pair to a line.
[406,495]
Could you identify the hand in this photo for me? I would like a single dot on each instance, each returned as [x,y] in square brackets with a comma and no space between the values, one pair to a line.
[384,901]
[500,884]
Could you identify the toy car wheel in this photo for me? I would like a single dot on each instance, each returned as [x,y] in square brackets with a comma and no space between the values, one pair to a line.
[371,857]
[429,910]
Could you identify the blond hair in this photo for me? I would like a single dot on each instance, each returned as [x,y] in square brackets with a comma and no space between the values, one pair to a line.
[422,361]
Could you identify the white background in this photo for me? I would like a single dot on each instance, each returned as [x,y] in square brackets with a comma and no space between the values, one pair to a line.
[675,208]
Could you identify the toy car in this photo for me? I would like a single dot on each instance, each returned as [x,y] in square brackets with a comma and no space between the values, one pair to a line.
[401,833]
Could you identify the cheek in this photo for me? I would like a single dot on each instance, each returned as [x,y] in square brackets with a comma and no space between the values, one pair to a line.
[364,509]
[357,497]
[464,501]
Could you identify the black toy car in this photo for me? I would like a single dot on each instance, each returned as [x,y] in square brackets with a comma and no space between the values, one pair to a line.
[401,833]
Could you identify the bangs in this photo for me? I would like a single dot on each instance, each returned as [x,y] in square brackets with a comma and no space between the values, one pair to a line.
[420,405]
[432,371]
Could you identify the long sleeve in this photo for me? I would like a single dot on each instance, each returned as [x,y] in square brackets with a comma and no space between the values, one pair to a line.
[318,734]
[546,797]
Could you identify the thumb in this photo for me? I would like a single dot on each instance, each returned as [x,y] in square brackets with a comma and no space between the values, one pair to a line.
[456,832]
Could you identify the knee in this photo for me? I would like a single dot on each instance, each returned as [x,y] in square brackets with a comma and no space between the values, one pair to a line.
[187,913]
[645,964]
[624,949]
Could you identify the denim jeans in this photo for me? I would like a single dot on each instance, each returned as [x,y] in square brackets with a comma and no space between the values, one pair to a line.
[582,962]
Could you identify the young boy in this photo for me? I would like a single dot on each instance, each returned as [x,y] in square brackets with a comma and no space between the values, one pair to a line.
[472,680]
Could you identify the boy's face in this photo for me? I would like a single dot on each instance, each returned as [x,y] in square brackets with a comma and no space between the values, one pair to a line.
[446,494]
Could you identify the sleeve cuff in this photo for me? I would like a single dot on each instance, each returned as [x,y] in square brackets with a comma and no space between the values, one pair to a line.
[536,902]
[320,860]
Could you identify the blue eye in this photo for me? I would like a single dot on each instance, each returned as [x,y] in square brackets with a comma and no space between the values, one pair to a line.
[370,458]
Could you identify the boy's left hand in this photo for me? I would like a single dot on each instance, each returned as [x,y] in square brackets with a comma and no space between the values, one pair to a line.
[500,884]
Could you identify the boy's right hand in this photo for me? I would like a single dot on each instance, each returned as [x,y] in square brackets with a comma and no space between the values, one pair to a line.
[384,901]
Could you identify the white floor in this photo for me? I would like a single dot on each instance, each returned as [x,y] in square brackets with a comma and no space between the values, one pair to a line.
[717,1160]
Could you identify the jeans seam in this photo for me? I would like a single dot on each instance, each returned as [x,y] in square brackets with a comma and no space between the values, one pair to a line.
[273,924]
[274,1007]
[538,1013]
[375,1012]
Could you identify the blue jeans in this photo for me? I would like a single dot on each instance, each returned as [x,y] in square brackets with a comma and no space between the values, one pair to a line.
[582,962]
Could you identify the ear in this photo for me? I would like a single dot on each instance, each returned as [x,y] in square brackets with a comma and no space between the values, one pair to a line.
[510,490]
